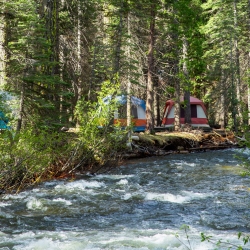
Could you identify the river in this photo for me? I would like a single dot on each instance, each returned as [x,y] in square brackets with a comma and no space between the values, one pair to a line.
[142,204]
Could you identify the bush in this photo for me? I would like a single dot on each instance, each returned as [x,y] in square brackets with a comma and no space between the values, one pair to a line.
[27,157]
[102,140]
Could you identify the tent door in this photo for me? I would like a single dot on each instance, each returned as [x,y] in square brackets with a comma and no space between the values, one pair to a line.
[193,111]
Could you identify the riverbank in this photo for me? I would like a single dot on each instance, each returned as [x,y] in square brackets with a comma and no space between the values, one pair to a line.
[34,158]
[164,143]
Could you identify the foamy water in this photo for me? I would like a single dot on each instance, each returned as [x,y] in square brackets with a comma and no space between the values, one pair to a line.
[184,197]
[141,205]
[146,239]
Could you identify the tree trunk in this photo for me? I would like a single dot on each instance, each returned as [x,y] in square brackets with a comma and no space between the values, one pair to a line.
[157,118]
[222,102]
[78,84]
[92,78]
[56,71]
[79,52]
[128,56]
[21,110]
[2,48]
[117,42]
[186,86]
[50,12]
[117,52]
[237,65]
[233,97]
[177,110]
[150,96]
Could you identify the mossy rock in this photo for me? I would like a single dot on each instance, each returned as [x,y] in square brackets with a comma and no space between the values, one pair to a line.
[152,139]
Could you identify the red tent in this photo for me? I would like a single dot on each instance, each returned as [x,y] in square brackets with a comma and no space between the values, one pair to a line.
[198,113]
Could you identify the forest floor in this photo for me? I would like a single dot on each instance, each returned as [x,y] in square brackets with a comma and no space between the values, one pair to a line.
[164,143]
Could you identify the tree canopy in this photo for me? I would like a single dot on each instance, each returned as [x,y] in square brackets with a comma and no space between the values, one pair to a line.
[57,53]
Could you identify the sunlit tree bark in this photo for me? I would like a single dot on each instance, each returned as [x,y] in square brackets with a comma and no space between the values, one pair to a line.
[237,64]
[150,82]
[186,86]
[128,55]
[2,46]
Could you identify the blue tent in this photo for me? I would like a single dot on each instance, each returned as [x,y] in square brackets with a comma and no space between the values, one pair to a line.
[138,112]
[3,121]
[122,99]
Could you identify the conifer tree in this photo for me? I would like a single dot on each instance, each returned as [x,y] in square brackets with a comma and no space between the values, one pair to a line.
[150,73]
[225,53]
[189,20]
[31,65]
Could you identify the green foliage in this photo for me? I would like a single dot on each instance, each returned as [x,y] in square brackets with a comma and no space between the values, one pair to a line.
[227,22]
[219,244]
[61,55]
[37,153]
[102,140]
[32,64]
[226,244]
[243,138]
[26,158]
[3,103]
[244,142]
[8,105]
[180,23]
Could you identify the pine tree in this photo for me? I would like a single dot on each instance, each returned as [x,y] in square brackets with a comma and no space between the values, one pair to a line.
[30,68]
[150,73]
[226,53]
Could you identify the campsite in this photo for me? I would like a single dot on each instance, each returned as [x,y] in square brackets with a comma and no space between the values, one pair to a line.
[195,137]
[199,118]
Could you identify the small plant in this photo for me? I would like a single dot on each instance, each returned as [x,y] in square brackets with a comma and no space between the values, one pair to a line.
[244,143]
[185,228]
[225,244]
[219,244]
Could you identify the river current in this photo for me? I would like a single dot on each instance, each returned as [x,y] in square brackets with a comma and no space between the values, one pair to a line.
[142,204]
